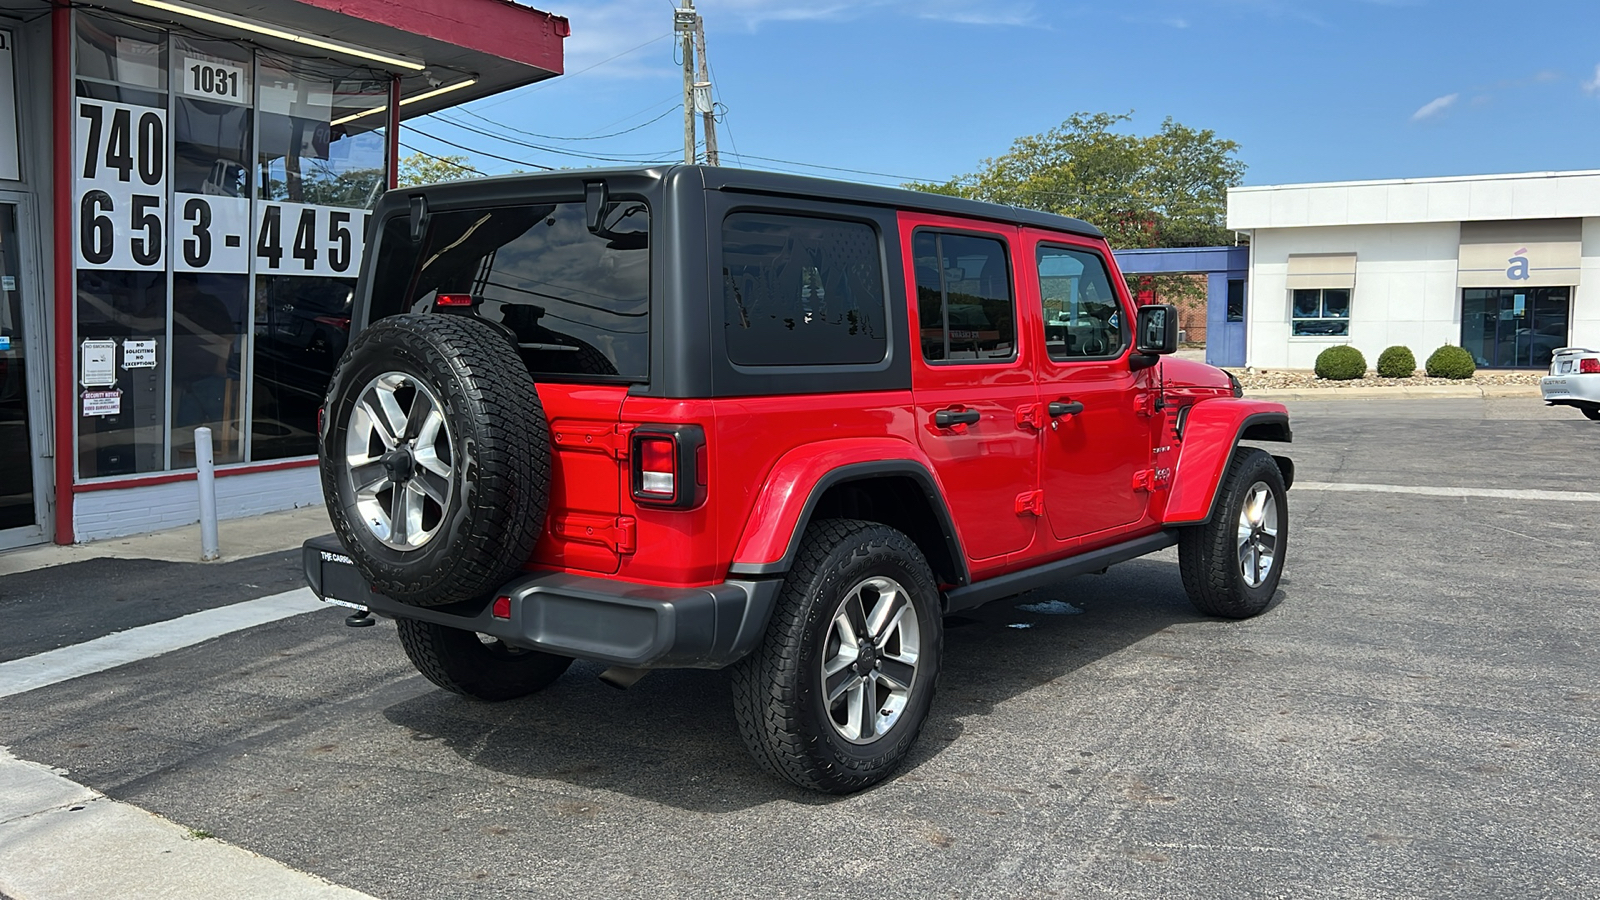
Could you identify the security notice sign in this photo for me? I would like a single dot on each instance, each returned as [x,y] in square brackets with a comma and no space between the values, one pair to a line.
[10,167]
[120,210]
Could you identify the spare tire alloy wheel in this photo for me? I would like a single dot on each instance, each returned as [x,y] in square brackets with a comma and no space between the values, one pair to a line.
[435,458]
[399,460]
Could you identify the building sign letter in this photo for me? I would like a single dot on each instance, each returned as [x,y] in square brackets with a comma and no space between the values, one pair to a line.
[1518,270]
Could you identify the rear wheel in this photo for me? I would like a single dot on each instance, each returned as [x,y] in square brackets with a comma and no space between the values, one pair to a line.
[477,665]
[1231,564]
[838,690]
[1593,412]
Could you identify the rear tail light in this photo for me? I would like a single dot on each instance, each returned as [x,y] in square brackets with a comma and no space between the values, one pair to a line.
[1589,366]
[454,301]
[669,465]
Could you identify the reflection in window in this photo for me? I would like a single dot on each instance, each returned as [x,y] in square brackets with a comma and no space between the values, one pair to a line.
[1082,315]
[964,303]
[208,315]
[578,301]
[315,145]
[115,51]
[211,135]
[801,291]
[123,306]
[301,328]
[1235,300]
[1321,311]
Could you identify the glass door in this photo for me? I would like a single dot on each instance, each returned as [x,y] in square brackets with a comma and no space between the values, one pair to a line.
[1514,328]
[21,467]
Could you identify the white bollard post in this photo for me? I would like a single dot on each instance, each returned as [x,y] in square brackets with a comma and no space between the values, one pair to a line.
[206,480]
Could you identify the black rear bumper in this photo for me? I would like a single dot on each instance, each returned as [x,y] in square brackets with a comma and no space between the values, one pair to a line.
[614,622]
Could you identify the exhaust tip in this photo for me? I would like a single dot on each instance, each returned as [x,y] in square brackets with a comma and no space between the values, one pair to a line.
[622,677]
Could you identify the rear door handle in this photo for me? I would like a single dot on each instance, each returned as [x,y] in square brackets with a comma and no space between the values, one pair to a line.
[1058,409]
[949,418]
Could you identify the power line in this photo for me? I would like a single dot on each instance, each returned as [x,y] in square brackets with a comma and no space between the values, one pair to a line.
[518,162]
[448,162]
[552,137]
[790,162]
[635,158]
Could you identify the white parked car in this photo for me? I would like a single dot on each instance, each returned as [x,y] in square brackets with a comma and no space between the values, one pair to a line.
[1574,380]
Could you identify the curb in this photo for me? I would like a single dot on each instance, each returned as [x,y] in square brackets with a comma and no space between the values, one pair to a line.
[1400,392]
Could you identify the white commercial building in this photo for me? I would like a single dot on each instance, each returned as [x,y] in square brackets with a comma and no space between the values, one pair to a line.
[1493,263]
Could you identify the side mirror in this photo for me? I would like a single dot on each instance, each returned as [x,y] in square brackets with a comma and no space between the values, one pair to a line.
[1156,331]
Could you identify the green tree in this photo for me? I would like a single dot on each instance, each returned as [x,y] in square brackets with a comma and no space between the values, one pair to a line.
[420,168]
[1168,189]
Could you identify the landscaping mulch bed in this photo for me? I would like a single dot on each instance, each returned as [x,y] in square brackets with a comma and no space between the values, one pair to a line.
[1277,380]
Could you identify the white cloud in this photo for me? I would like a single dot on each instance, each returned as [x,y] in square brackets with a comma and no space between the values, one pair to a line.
[1434,107]
[603,28]
[1592,86]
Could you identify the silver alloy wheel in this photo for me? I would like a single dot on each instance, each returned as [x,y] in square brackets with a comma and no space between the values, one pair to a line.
[1258,533]
[869,662]
[399,460]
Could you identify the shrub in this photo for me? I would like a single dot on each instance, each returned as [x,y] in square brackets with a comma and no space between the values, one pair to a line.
[1451,362]
[1341,363]
[1397,362]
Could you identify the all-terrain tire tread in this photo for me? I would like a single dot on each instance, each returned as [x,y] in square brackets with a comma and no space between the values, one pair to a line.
[765,700]
[1206,552]
[505,512]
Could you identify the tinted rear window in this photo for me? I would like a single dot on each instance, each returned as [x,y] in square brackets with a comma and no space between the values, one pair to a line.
[577,301]
[802,291]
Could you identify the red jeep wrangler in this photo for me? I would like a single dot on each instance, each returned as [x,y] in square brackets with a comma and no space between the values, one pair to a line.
[705,417]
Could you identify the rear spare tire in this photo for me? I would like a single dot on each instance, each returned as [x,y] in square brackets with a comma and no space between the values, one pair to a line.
[435,458]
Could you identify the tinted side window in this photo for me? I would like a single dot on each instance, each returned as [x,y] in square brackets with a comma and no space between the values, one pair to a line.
[577,301]
[1082,316]
[965,308]
[802,291]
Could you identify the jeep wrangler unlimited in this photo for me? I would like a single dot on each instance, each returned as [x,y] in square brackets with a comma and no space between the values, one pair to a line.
[705,417]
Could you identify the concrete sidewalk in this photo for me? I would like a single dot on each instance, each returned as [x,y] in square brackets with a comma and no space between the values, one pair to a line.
[60,840]
[238,539]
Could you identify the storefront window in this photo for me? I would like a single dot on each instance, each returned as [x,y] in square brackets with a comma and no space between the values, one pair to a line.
[122,330]
[321,167]
[221,196]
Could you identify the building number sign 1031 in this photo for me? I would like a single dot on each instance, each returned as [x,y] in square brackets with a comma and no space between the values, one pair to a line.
[212,80]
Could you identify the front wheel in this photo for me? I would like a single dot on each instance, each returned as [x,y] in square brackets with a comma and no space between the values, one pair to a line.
[1231,564]
[837,692]
[477,666]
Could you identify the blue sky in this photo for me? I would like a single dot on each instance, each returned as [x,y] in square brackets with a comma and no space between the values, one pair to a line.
[1313,90]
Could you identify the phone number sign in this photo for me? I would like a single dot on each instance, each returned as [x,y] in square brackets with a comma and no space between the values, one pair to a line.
[125,218]
[121,213]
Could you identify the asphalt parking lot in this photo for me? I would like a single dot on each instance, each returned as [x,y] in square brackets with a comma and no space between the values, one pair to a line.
[1418,715]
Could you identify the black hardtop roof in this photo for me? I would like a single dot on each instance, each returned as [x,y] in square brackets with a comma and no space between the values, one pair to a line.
[726,178]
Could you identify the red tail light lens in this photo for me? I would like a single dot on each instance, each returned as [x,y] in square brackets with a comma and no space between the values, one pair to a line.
[1590,366]
[453,301]
[658,466]
[668,465]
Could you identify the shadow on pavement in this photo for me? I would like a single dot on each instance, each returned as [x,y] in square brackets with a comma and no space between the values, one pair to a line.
[672,738]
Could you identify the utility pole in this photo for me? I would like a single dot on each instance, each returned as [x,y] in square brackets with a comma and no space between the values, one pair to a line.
[683,22]
[702,93]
